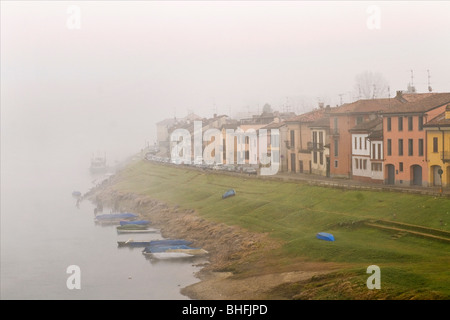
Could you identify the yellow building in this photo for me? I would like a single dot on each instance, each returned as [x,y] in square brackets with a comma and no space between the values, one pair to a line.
[438,149]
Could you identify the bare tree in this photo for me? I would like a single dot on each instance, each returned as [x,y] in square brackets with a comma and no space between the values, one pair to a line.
[369,85]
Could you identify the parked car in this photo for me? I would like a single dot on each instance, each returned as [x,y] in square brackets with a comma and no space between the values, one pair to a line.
[250,170]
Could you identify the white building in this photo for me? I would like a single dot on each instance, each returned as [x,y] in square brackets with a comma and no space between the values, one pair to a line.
[367,151]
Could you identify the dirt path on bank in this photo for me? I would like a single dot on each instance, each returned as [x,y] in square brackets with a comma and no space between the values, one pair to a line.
[240,265]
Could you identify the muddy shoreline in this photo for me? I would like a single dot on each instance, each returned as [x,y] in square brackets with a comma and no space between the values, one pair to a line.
[228,246]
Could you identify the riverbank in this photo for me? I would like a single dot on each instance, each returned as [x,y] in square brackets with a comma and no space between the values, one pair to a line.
[226,245]
[262,243]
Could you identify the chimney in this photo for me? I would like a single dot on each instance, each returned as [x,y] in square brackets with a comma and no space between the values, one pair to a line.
[447,112]
[399,96]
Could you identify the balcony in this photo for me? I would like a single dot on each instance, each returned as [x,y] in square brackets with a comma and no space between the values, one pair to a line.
[315,146]
[334,132]
[445,156]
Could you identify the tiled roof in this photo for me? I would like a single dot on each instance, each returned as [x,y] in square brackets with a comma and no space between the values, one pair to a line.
[322,122]
[423,105]
[367,106]
[438,121]
[274,125]
[311,116]
[368,125]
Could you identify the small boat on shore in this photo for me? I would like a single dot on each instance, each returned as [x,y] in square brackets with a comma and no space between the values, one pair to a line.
[325,236]
[132,243]
[171,255]
[153,249]
[120,231]
[138,222]
[228,194]
[132,227]
[169,242]
[116,216]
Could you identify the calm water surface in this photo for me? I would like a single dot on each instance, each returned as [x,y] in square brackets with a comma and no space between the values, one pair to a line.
[43,232]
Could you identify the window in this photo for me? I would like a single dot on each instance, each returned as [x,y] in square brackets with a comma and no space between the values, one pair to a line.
[373,151]
[410,147]
[360,143]
[400,123]
[360,163]
[379,151]
[365,164]
[359,119]
[314,139]
[435,145]
[321,157]
[336,129]
[365,143]
[400,147]
[336,148]
[315,156]
[335,163]
[389,124]
[410,123]
[389,147]
[377,167]
[292,138]
[356,143]
[400,166]
[420,123]
[356,164]
[420,147]
[321,137]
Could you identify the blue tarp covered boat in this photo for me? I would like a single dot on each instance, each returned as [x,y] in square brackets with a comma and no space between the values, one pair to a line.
[139,222]
[114,216]
[325,236]
[154,249]
[169,242]
[229,193]
[76,194]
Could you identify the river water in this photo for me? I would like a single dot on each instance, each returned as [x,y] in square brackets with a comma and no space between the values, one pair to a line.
[43,232]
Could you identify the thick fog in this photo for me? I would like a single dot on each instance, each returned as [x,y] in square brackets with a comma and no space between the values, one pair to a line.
[85,77]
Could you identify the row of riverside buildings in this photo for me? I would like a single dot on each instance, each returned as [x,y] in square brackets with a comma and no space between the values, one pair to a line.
[403,140]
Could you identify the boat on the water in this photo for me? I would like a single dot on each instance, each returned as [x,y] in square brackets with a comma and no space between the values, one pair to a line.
[153,249]
[132,243]
[116,216]
[138,222]
[132,227]
[193,251]
[325,236]
[98,164]
[169,242]
[76,194]
[171,255]
[147,230]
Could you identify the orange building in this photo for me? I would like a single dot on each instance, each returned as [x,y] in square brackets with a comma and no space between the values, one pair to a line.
[299,140]
[342,120]
[405,141]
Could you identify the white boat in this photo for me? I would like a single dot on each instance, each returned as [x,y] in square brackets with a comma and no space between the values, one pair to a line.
[137,231]
[194,252]
[98,164]
[170,255]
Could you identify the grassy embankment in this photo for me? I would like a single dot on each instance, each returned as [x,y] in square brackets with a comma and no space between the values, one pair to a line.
[411,266]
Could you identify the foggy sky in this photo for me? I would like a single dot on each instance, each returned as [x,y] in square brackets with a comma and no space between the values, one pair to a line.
[132,64]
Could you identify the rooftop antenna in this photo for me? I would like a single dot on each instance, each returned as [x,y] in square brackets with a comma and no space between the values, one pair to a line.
[429,83]
[340,96]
